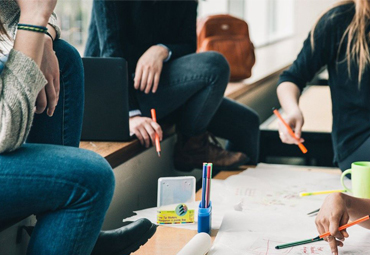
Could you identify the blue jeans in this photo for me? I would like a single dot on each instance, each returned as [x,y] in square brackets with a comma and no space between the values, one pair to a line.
[191,88]
[68,189]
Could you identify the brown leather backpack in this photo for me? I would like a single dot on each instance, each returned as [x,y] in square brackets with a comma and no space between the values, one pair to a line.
[229,36]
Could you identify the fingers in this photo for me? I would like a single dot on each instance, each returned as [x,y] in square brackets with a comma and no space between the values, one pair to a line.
[41,102]
[156,82]
[145,130]
[331,226]
[145,137]
[157,128]
[151,132]
[144,79]
[52,99]
[57,83]
[298,131]
[138,73]
[333,243]
[149,82]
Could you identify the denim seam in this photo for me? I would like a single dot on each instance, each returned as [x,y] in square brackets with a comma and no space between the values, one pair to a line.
[190,79]
[63,112]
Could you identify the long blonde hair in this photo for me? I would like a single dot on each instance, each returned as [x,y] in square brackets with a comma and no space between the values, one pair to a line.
[357,48]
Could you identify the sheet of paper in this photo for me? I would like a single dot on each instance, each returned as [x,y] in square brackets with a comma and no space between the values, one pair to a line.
[268,211]
[248,233]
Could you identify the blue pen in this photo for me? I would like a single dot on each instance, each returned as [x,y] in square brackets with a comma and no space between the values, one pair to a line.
[203,202]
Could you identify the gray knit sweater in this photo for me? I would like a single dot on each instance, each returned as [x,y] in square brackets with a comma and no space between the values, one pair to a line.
[20,83]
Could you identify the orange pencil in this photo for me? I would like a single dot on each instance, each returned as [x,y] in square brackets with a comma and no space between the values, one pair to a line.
[300,145]
[344,226]
[157,144]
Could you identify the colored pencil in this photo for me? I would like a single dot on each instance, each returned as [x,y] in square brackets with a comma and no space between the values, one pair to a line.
[304,194]
[321,237]
[157,143]
[283,246]
[204,176]
[313,212]
[365,218]
[290,131]
[208,185]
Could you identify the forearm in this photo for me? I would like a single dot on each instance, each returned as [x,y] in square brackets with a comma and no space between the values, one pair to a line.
[20,83]
[31,43]
[357,208]
[288,94]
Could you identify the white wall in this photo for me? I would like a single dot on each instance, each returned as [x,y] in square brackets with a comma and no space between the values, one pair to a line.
[307,12]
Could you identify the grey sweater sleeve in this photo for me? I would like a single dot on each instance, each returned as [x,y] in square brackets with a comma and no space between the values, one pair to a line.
[20,83]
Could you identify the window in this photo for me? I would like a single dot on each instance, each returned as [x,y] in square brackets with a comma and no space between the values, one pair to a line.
[74,20]
[268,20]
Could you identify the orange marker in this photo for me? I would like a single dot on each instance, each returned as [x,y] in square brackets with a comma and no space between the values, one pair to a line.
[344,226]
[157,144]
[300,145]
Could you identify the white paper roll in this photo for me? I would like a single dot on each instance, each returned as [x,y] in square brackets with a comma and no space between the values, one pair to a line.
[198,245]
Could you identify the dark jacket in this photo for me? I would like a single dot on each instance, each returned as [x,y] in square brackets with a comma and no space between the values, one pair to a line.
[350,99]
[128,28]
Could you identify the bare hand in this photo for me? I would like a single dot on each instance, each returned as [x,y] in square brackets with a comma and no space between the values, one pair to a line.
[149,68]
[295,121]
[145,129]
[49,95]
[333,214]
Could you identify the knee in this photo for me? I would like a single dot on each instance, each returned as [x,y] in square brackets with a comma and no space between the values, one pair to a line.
[96,175]
[217,65]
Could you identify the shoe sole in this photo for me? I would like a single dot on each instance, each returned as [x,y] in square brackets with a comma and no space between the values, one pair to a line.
[143,240]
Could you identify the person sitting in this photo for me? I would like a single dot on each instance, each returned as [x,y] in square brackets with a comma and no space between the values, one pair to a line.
[67,188]
[158,39]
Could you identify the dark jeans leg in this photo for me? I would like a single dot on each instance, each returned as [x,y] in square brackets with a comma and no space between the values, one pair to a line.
[64,128]
[238,124]
[360,154]
[196,84]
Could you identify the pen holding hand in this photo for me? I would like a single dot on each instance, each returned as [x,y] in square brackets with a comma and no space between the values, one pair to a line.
[157,142]
[295,121]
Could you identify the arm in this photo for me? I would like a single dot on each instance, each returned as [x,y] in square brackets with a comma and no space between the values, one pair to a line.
[149,66]
[337,210]
[288,94]
[304,68]
[21,79]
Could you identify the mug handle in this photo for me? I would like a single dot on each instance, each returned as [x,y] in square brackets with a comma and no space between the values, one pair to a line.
[348,171]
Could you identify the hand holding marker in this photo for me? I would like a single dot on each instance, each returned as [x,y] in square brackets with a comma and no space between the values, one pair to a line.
[321,237]
[300,145]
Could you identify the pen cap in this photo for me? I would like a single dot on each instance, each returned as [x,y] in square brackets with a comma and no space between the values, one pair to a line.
[205,219]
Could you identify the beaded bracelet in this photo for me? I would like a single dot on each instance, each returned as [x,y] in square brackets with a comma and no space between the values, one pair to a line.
[32,28]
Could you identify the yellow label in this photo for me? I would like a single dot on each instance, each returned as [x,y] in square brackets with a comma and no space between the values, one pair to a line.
[180,215]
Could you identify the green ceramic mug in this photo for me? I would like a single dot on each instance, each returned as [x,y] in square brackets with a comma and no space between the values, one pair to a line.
[360,172]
